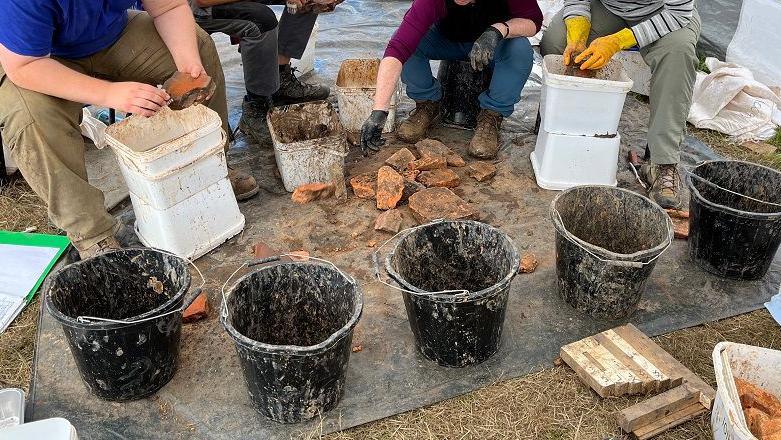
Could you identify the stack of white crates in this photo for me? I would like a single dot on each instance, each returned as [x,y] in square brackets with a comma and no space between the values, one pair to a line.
[578,142]
[175,168]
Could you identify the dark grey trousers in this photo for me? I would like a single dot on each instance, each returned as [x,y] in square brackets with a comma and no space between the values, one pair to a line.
[262,38]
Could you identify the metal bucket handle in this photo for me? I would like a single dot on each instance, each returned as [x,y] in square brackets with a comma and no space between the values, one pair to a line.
[633,264]
[251,263]
[689,172]
[378,268]
[188,300]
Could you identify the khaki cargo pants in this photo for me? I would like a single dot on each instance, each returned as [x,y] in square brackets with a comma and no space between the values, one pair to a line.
[43,134]
[673,62]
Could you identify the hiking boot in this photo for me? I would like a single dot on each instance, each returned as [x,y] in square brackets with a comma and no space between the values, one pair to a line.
[107,244]
[664,184]
[426,115]
[293,91]
[485,142]
[244,185]
[253,119]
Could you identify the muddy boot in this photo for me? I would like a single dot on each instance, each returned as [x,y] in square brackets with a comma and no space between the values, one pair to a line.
[664,184]
[253,119]
[293,91]
[244,185]
[426,115]
[485,142]
[105,245]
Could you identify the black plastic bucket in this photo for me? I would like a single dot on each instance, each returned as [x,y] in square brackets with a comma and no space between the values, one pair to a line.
[455,278]
[607,243]
[461,88]
[293,327]
[136,296]
[735,221]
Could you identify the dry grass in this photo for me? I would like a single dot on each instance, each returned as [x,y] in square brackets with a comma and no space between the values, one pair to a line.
[732,149]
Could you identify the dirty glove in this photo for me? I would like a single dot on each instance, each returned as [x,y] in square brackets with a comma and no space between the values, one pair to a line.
[601,50]
[371,132]
[484,48]
[578,29]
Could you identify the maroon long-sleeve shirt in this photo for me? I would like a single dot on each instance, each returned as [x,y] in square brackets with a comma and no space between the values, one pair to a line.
[425,13]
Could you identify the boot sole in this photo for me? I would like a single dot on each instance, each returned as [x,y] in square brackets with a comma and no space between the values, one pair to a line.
[247,195]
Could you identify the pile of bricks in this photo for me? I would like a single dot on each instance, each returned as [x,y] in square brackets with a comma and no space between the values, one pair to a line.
[762,410]
[424,181]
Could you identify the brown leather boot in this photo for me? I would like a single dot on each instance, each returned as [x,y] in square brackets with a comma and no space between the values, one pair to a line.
[425,115]
[664,184]
[244,185]
[485,142]
[105,245]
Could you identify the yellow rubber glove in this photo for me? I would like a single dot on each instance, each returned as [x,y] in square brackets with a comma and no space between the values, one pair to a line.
[601,50]
[578,29]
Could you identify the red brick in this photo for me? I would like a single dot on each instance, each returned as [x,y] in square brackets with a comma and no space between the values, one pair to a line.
[198,310]
[428,163]
[400,159]
[389,221]
[445,177]
[410,188]
[411,175]
[482,171]
[433,147]
[313,191]
[390,188]
[433,203]
[186,90]
[680,221]
[364,185]
[454,160]
[529,263]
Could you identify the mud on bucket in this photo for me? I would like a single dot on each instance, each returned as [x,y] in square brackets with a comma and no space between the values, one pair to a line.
[293,326]
[455,278]
[607,243]
[121,313]
[735,222]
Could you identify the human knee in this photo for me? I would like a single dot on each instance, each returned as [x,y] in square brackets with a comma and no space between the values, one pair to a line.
[264,18]
[518,52]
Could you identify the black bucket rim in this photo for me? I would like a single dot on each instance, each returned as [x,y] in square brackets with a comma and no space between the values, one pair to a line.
[68,321]
[633,257]
[293,350]
[408,288]
[745,214]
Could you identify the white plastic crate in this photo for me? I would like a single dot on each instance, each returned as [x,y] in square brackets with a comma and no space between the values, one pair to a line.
[757,365]
[47,429]
[356,85]
[563,161]
[313,160]
[193,227]
[582,106]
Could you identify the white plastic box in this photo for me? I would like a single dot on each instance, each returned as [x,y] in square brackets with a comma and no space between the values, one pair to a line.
[175,168]
[759,366]
[563,161]
[47,429]
[356,85]
[307,62]
[320,159]
[582,106]
[11,407]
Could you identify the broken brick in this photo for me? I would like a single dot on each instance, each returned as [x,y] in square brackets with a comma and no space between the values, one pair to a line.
[185,90]
[752,396]
[357,348]
[433,148]
[298,255]
[390,188]
[262,250]
[482,171]
[411,175]
[428,163]
[445,177]
[389,221]
[309,192]
[680,221]
[198,310]
[364,185]
[434,203]
[455,160]
[529,264]
[400,159]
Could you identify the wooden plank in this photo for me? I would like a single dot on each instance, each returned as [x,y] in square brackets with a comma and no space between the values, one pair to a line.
[664,381]
[657,407]
[683,415]
[650,378]
[590,373]
[626,379]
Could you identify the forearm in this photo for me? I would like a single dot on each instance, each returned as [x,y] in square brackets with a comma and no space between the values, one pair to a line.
[176,27]
[387,78]
[518,27]
[70,85]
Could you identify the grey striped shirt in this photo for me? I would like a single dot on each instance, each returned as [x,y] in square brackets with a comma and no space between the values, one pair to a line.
[655,18]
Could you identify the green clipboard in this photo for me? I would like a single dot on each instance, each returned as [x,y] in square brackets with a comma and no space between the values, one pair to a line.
[59,242]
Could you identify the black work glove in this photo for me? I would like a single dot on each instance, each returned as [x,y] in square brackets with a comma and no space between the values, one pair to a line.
[484,48]
[371,132]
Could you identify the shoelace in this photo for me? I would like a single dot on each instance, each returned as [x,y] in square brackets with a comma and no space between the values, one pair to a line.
[668,177]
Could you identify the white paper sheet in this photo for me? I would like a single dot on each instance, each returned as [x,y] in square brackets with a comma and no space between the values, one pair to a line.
[20,269]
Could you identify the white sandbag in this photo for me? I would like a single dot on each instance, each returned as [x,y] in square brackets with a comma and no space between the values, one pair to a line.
[730,101]
[549,8]
[93,128]
[756,42]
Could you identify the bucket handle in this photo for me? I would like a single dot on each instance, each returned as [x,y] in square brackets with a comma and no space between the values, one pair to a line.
[713,185]
[458,293]
[188,299]
[251,263]
[631,264]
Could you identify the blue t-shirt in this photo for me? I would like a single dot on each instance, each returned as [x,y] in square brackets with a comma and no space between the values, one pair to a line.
[62,28]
